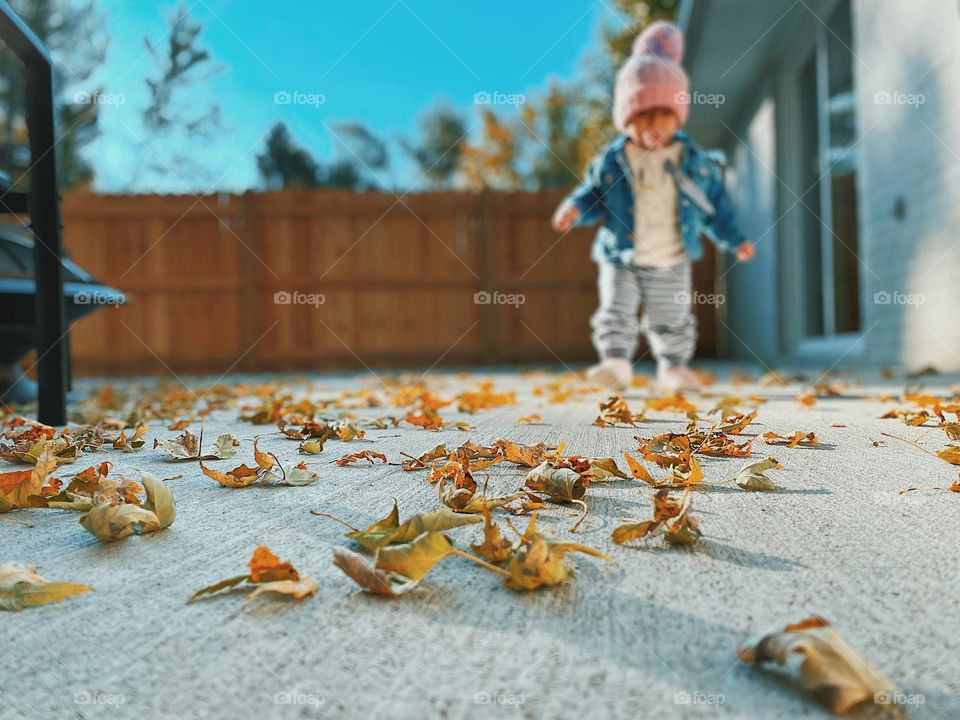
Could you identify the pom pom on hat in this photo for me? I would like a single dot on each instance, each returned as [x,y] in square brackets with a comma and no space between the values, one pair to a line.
[662,39]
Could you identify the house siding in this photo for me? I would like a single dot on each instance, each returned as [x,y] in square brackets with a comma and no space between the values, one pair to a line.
[908,88]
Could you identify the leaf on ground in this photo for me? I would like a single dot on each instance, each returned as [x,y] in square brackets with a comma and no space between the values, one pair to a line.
[266,567]
[526,455]
[264,460]
[952,429]
[484,398]
[667,450]
[687,474]
[438,520]
[615,411]
[539,561]
[913,418]
[423,461]
[267,575]
[159,499]
[63,449]
[676,402]
[389,530]
[312,447]
[736,424]
[367,576]
[791,441]
[559,484]
[21,586]
[184,447]
[806,399]
[25,488]
[637,470]
[529,419]
[78,494]
[671,519]
[425,417]
[716,444]
[835,673]
[494,547]
[305,586]
[462,497]
[297,475]
[368,455]
[950,454]
[349,431]
[132,443]
[752,477]
[593,469]
[240,476]
[416,558]
[108,522]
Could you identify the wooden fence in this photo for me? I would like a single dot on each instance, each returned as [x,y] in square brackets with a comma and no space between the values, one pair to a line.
[371,279]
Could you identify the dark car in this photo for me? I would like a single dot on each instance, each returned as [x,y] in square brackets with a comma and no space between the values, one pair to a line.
[82,295]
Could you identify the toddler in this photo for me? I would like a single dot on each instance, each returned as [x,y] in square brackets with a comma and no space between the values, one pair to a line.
[655,191]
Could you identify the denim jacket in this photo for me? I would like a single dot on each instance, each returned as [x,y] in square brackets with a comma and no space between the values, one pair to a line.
[703,205]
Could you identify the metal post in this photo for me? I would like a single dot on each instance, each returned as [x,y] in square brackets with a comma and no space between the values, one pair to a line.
[48,249]
[44,208]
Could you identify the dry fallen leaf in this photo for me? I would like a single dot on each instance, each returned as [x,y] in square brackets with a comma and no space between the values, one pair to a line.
[560,485]
[267,574]
[78,495]
[806,399]
[671,519]
[25,488]
[424,460]
[367,576]
[240,476]
[115,513]
[615,411]
[368,455]
[389,530]
[538,560]
[751,477]
[405,564]
[836,674]
[791,441]
[494,547]
[951,454]
[735,424]
[132,443]
[21,587]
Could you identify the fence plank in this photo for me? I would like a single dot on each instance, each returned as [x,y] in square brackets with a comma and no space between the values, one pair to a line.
[392,279]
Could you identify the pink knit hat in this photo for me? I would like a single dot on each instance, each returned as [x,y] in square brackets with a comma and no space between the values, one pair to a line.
[652,77]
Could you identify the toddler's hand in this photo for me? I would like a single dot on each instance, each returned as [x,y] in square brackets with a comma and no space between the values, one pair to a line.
[565,216]
[746,251]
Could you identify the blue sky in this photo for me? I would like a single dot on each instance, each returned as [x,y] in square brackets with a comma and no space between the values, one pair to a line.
[378,61]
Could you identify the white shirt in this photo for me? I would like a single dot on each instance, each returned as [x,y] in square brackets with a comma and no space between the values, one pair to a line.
[656,231]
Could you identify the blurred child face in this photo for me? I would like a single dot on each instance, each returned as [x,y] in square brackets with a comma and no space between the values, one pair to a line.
[653,128]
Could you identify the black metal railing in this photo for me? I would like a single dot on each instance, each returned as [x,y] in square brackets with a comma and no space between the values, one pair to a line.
[42,202]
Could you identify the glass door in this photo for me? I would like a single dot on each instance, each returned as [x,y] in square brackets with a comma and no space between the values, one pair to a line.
[830,233]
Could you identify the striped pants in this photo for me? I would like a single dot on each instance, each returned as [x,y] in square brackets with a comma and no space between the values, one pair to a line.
[664,293]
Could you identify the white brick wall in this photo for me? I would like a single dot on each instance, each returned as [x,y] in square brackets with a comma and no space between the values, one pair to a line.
[910,151]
